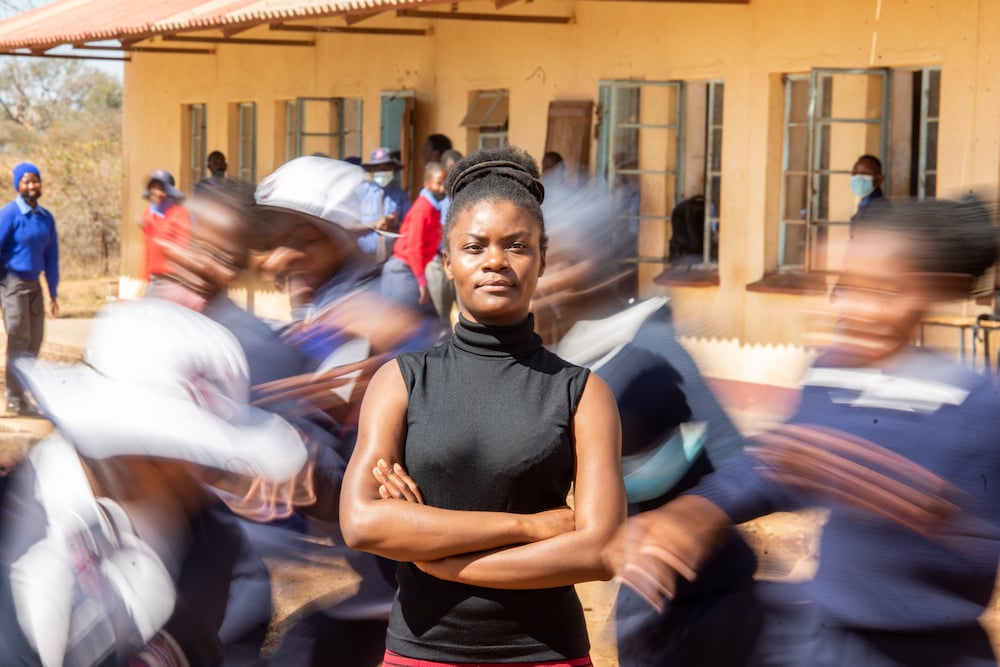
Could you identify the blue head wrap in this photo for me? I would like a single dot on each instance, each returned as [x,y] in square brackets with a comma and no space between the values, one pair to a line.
[25,168]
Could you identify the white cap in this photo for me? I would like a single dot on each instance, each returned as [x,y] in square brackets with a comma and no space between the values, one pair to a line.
[166,382]
[318,186]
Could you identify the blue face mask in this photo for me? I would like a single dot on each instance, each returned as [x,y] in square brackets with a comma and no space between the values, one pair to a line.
[862,185]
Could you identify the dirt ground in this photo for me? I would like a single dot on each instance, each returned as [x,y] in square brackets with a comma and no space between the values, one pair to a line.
[786,543]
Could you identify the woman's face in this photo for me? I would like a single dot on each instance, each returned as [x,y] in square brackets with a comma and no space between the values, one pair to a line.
[495,257]
[879,299]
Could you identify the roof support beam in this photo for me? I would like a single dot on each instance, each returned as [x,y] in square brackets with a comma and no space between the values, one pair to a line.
[469,16]
[64,56]
[254,41]
[343,30]
[143,49]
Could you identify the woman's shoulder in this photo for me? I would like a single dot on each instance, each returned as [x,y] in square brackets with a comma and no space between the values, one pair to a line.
[554,362]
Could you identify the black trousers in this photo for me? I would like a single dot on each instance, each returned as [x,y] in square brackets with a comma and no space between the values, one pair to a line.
[24,321]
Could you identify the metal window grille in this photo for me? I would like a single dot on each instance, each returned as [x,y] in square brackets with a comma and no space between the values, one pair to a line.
[641,151]
[328,125]
[291,130]
[713,168]
[930,95]
[246,159]
[197,141]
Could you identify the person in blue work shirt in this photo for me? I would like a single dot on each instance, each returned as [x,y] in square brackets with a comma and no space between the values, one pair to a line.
[383,204]
[29,246]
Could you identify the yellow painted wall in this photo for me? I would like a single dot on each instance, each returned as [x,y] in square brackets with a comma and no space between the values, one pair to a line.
[748,46]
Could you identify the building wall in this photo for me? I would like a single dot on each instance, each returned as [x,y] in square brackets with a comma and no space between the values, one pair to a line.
[748,46]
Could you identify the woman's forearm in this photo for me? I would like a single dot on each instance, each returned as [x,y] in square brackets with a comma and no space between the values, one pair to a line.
[563,560]
[410,532]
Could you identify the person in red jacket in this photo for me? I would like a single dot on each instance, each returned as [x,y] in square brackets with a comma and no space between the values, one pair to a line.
[164,219]
[404,278]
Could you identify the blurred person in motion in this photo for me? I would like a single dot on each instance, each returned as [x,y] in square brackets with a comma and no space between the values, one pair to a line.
[488,569]
[674,432]
[29,247]
[404,276]
[311,213]
[114,549]
[164,220]
[383,204]
[899,444]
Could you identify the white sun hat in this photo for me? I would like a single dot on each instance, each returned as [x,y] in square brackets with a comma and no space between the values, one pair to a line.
[318,186]
[164,381]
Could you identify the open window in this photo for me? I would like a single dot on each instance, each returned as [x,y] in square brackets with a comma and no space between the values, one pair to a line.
[660,144]
[323,125]
[831,118]
[486,119]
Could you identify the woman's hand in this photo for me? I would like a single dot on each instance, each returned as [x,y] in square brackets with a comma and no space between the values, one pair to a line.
[395,483]
[54,308]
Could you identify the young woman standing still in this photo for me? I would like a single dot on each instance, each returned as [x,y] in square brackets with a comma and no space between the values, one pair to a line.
[495,429]
[29,247]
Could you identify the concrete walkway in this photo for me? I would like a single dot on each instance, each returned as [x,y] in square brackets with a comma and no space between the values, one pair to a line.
[65,340]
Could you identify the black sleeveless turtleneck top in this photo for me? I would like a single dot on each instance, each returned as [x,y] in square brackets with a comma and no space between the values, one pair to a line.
[488,428]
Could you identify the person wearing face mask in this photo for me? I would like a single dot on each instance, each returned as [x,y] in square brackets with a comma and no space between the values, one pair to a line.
[383,203]
[404,276]
[866,183]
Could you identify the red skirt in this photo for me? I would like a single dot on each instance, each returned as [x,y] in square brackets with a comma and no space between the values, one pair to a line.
[395,660]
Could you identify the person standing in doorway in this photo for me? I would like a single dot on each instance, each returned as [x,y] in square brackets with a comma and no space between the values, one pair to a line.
[29,246]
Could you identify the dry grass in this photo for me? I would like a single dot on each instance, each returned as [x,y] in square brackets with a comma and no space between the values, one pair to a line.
[83,298]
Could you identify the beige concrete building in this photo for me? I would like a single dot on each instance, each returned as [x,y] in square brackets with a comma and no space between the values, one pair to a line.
[760,105]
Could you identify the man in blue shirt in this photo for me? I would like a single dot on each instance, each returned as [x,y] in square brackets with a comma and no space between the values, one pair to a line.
[383,203]
[28,247]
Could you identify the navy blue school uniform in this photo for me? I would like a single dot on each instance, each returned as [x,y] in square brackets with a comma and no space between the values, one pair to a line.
[884,595]
[657,386]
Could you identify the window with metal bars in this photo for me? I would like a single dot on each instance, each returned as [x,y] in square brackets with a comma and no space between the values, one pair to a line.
[196,130]
[323,125]
[660,143]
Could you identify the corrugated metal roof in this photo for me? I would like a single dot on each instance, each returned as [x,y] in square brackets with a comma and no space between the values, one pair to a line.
[77,21]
